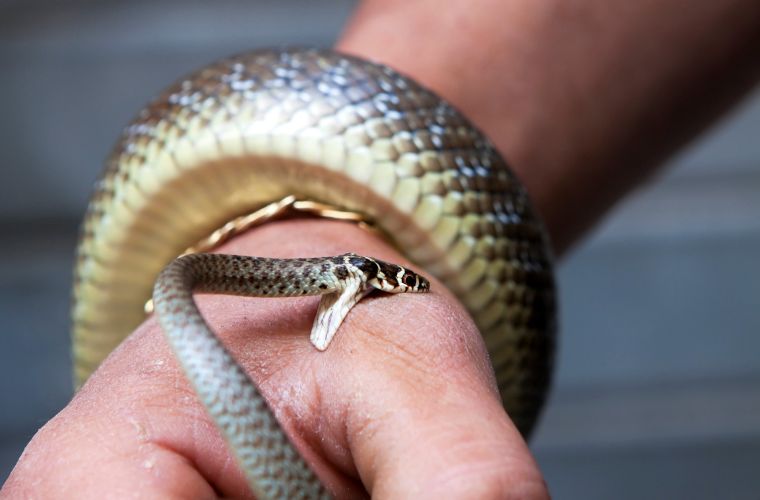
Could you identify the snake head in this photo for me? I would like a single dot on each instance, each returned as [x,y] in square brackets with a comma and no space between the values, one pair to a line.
[390,278]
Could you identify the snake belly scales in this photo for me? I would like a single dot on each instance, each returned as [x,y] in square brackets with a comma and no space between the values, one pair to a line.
[323,126]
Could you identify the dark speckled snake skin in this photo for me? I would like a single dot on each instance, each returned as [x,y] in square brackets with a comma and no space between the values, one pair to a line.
[322,126]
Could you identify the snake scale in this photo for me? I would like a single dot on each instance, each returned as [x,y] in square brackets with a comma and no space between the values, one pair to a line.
[323,126]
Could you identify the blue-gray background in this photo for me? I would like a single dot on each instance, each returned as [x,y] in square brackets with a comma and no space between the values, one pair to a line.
[657,391]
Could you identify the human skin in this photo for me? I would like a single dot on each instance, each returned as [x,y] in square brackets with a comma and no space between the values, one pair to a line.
[584,98]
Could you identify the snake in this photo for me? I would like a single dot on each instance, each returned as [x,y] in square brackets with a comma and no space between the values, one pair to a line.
[320,125]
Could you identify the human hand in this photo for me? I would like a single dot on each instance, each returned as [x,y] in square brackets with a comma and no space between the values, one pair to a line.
[403,403]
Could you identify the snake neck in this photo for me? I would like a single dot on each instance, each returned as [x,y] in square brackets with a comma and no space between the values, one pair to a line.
[262,277]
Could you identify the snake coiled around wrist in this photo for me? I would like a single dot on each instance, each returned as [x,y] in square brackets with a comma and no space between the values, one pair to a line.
[322,126]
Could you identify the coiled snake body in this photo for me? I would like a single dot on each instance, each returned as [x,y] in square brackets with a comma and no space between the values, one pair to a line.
[322,126]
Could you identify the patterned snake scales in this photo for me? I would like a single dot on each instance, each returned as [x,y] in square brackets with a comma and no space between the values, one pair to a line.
[327,127]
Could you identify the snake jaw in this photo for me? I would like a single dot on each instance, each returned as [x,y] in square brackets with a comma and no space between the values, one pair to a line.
[334,307]
[364,275]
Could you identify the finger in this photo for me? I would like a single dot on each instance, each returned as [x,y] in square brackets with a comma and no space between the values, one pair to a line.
[105,442]
[421,411]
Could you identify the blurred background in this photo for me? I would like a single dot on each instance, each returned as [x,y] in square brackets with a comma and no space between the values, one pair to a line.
[657,392]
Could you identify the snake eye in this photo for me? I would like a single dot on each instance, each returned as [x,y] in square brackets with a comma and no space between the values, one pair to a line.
[410,280]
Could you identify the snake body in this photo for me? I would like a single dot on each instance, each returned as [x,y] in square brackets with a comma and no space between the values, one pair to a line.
[272,465]
[323,126]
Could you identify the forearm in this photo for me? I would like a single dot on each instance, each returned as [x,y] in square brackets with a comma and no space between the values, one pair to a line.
[583,97]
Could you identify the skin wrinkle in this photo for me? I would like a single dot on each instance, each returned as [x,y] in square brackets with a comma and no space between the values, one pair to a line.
[365,430]
[333,409]
[201,429]
[454,452]
[180,404]
[336,454]
[393,348]
[360,427]
[444,354]
[297,415]
[101,434]
[132,454]
[239,330]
